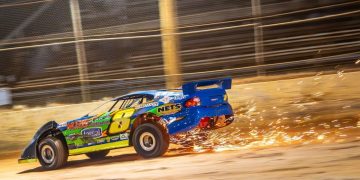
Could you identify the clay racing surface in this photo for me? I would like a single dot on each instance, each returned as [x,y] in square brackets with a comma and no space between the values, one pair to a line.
[331,161]
[305,128]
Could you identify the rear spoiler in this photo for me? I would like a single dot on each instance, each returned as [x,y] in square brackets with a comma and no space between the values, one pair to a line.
[191,87]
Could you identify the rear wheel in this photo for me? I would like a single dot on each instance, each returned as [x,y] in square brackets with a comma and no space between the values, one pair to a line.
[150,140]
[52,153]
[98,154]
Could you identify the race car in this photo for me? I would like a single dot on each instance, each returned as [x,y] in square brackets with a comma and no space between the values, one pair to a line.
[143,119]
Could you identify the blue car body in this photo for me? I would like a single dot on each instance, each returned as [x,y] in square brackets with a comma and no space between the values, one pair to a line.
[201,104]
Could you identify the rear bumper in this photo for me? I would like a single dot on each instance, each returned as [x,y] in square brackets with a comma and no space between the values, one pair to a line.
[190,118]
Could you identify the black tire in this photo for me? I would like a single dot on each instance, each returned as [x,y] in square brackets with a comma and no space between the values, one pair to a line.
[154,148]
[98,154]
[52,153]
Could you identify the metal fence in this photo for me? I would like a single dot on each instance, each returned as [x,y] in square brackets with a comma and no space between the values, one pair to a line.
[121,42]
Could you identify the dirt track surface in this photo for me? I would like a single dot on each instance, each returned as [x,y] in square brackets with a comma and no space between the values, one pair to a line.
[322,161]
[306,128]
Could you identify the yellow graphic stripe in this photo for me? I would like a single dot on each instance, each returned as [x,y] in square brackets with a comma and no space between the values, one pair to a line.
[22,161]
[113,145]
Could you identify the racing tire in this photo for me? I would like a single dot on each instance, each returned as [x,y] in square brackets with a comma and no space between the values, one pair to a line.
[52,153]
[97,154]
[150,140]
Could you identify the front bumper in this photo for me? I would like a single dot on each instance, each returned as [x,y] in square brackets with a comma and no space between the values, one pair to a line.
[190,118]
[29,153]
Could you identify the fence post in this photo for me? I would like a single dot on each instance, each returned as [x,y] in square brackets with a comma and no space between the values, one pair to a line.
[170,43]
[258,36]
[80,49]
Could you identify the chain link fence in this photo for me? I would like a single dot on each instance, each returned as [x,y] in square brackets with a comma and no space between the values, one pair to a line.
[122,42]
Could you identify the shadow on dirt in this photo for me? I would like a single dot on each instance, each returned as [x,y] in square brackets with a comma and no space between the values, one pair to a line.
[108,160]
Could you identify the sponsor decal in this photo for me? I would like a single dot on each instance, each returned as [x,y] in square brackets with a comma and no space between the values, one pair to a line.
[169,108]
[124,136]
[167,99]
[99,123]
[180,97]
[100,141]
[104,133]
[173,119]
[91,132]
[115,138]
[72,137]
[78,124]
[64,124]
[147,105]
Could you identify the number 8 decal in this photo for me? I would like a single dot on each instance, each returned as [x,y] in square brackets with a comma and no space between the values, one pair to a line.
[121,121]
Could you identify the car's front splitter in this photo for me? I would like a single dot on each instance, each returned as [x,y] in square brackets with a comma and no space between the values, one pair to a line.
[22,161]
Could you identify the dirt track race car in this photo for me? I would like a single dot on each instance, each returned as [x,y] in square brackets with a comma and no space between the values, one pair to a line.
[143,119]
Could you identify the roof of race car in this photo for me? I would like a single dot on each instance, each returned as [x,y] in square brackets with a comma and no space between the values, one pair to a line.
[162,92]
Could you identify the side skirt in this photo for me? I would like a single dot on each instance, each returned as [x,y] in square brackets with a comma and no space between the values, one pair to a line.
[112,145]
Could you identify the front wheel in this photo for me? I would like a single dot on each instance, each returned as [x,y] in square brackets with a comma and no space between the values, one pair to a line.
[52,153]
[150,140]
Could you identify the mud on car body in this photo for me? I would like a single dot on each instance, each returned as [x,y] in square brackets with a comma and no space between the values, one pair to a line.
[143,119]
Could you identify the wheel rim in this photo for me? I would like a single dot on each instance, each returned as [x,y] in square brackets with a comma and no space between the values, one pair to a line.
[47,154]
[147,141]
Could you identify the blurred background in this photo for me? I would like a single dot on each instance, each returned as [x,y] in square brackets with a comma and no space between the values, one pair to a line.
[294,63]
[72,51]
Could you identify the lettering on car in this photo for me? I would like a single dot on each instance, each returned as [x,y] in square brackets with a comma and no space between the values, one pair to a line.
[91,132]
[169,108]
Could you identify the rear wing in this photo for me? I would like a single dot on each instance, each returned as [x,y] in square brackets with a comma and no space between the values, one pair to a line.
[191,87]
